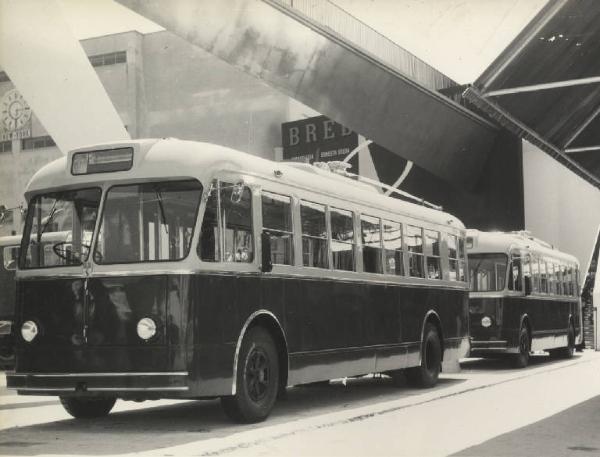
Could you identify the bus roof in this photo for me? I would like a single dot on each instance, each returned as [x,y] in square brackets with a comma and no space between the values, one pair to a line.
[173,158]
[504,242]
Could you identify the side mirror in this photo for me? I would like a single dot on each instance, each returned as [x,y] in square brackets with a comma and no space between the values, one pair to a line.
[527,285]
[267,264]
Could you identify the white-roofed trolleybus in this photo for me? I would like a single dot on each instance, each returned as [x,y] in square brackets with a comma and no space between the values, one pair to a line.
[174,269]
[524,296]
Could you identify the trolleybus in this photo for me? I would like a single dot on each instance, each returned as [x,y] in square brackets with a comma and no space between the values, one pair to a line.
[524,296]
[174,269]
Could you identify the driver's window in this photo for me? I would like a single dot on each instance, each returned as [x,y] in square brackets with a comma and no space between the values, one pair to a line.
[226,234]
[515,276]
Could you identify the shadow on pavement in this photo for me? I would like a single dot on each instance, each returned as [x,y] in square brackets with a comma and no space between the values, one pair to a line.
[153,428]
[504,363]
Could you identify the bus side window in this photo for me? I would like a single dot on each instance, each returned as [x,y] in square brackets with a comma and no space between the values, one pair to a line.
[527,270]
[558,278]
[314,235]
[432,243]
[277,223]
[535,274]
[551,278]
[571,281]
[392,243]
[227,226]
[342,239]
[413,240]
[564,279]
[543,277]
[514,274]
[370,232]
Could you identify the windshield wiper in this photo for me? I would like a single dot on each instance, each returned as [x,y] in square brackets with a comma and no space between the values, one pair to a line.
[162,209]
[50,216]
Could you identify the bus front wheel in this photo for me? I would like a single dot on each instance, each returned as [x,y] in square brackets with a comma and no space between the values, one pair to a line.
[521,359]
[88,408]
[257,379]
[426,374]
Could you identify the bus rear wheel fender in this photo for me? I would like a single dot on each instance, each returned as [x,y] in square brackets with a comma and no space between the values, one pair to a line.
[568,351]
[257,380]
[426,374]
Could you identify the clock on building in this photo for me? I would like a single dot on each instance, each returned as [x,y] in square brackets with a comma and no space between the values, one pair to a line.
[14,111]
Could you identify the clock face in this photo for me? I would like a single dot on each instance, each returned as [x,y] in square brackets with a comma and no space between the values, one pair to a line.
[14,111]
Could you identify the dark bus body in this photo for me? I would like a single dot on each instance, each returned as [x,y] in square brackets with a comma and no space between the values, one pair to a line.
[524,297]
[223,280]
[9,249]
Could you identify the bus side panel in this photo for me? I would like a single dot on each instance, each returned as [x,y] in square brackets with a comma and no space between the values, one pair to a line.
[548,319]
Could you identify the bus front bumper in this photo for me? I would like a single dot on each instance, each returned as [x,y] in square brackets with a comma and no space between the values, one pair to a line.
[480,348]
[116,384]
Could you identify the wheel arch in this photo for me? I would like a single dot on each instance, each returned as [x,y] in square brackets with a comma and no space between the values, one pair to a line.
[525,320]
[432,317]
[267,320]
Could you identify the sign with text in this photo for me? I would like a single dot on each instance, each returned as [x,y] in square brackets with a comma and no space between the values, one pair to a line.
[318,139]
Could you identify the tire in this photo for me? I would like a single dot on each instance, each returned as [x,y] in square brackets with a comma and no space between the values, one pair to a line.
[426,375]
[88,408]
[257,382]
[568,351]
[521,360]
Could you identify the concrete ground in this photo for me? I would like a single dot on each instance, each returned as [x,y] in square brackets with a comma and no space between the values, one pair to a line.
[486,409]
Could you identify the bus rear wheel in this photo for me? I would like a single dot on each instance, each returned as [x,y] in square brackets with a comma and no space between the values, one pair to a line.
[88,408]
[521,359]
[426,375]
[568,351]
[257,381]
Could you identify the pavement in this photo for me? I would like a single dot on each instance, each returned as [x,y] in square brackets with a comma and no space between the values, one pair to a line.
[486,409]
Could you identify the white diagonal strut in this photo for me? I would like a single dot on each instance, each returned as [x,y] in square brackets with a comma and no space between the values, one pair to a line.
[50,69]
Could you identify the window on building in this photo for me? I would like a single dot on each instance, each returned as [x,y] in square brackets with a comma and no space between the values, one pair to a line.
[413,240]
[370,232]
[277,223]
[226,234]
[5,146]
[314,235]
[342,239]
[432,243]
[108,59]
[392,244]
[37,142]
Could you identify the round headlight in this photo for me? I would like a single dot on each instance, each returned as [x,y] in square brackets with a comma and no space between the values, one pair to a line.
[29,331]
[486,321]
[146,328]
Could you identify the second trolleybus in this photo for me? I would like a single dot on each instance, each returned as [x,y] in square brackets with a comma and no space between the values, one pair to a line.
[524,296]
[173,269]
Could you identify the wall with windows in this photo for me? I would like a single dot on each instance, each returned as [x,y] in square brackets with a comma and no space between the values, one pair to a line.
[560,207]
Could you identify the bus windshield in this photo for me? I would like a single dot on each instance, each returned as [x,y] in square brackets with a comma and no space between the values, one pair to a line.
[148,222]
[487,272]
[60,227]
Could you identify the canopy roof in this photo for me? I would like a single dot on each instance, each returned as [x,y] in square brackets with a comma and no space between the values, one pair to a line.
[546,84]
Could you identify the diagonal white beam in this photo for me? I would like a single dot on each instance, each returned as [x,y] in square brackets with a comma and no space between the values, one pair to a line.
[582,127]
[50,69]
[544,86]
[584,149]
